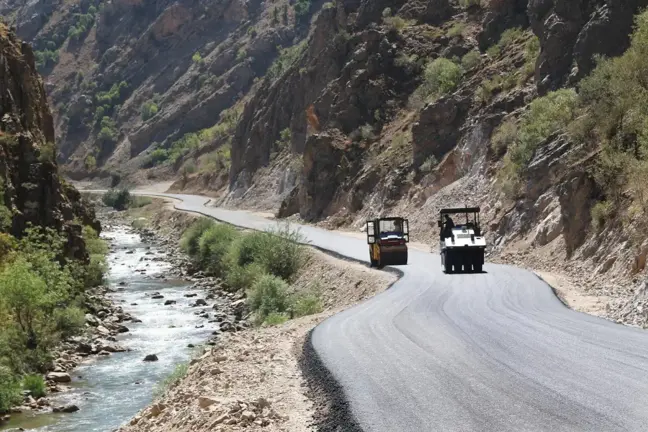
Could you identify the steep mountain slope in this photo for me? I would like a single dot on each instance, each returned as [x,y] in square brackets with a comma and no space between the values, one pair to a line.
[130,77]
[334,111]
[31,191]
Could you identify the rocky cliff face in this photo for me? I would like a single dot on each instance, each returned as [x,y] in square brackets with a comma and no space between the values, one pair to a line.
[31,189]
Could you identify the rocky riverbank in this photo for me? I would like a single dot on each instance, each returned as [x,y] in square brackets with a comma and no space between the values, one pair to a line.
[110,318]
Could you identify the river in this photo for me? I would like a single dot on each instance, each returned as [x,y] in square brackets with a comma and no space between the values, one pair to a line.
[110,390]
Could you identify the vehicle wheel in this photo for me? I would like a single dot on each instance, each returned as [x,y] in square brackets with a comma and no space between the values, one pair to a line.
[447,264]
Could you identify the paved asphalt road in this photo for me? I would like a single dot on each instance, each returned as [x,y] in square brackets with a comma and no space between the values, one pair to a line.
[486,352]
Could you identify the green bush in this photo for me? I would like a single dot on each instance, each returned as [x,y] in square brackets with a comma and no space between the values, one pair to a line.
[302,8]
[30,301]
[470,60]
[277,251]
[9,390]
[509,37]
[287,58]
[90,163]
[276,318]
[97,249]
[117,199]
[190,241]
[240,278]
[158,156]
[69,321]
[108,131]
[269,294]
[307,303]
[601,211]
[6,216]
[456,30]
[35,384]
[148,110]
[504,136]
[493,51]
[213,247]
[440,77]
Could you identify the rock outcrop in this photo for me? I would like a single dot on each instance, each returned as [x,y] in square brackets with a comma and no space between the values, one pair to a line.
[572,32]
[31,187]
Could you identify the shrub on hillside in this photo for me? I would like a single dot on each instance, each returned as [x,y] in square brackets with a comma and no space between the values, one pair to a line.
[470,60]
[504,136]
[440,77]
[213,246]
[306,303]
[277,251]
[189,242]
[117,199]
[269,294]
[239,278]
[546,116]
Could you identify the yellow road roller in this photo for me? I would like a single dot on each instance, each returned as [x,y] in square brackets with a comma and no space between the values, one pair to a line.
[388,238]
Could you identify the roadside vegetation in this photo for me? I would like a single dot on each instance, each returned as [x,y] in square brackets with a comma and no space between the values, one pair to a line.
[41,304]
[122,199]
[261,264]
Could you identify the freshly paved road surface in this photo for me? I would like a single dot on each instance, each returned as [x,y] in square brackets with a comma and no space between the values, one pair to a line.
[472,352]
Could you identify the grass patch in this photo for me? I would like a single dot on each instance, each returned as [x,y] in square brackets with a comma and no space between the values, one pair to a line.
[172,380]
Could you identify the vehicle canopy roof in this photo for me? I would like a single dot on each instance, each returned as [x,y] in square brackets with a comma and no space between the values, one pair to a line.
[460,210]
[389,218]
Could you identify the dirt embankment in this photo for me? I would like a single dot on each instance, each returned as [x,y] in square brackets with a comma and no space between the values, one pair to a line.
[252,379]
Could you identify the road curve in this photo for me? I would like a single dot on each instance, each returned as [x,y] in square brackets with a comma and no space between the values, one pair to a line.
[471,352]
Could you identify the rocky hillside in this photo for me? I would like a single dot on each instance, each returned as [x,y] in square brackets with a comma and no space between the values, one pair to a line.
[31,191]
[334,111]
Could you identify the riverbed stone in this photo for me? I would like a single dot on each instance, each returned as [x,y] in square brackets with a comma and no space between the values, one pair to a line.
[66,409]
[103,330]
[206,401]
[169,302]
[59,377]
[151,358]
[92,320]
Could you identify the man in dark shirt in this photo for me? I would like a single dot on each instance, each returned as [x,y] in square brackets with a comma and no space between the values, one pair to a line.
[448,225]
